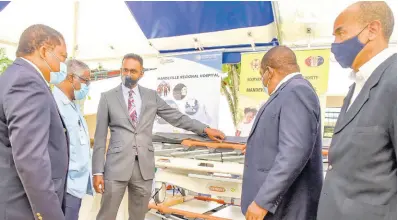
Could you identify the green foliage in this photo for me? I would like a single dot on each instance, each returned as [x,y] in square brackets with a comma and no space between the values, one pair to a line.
[230,88]
[4,60]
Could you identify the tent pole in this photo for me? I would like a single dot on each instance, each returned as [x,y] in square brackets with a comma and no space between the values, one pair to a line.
[75,28]
[275,10]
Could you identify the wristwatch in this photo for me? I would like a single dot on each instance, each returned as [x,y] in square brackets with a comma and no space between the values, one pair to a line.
[204,133]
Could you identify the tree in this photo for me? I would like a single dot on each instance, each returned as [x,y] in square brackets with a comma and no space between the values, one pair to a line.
[4,60]
[230,88]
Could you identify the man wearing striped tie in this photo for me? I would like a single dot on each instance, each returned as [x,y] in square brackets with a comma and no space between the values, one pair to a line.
[129,110]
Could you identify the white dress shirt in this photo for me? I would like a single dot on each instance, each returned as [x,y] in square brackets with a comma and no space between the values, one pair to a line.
[287,78]
[136,97]
[366,70]
[37,69]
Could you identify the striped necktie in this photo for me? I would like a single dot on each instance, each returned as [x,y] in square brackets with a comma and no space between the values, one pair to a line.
[132,109]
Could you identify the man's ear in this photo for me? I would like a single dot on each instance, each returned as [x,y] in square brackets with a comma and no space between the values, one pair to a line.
[375,29]
[43,52]
[271,73]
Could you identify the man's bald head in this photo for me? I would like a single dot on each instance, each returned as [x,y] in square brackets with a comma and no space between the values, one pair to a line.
[363,13]
[276,64]
[282,59]
[376,10]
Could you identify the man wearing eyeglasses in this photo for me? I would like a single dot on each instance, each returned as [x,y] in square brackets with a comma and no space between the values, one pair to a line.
[129,110]
[75,87]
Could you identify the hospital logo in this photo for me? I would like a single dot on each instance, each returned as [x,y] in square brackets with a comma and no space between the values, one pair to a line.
[255,65]
[314,61]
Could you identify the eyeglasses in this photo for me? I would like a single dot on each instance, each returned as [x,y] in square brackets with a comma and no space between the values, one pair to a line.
[84,80]
[131,71]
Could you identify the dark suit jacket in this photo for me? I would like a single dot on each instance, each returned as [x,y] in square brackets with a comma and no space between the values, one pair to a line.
[361,183]
[33,147]
[283,164]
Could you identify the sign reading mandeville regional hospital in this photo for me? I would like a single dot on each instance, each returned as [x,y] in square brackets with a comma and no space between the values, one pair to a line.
[314,65]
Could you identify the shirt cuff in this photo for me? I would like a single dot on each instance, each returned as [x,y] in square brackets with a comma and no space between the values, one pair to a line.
[98,174]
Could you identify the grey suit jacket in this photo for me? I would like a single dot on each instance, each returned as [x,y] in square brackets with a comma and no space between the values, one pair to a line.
[283,162]
[361,183]
[112,113]
[33,147]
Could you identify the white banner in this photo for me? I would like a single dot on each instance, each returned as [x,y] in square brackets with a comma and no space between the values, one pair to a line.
[190,83]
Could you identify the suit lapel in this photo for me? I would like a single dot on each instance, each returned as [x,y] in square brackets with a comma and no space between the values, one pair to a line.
[120,97]
[271,98]
[343,110]
[144,102]
[22,62]
[362,97]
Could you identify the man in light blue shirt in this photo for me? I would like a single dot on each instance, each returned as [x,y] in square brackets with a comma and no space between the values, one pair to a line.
[75,87]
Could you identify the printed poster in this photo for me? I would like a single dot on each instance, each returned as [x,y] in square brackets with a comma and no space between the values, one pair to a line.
[191,84]
[314,65]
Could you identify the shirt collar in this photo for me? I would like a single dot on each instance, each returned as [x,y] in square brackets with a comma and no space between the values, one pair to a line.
[366,70]
[58,92]
[285,79]
[127,90]
[37,69]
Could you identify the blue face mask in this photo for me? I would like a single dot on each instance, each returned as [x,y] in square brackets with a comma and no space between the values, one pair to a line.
[265,86]
[265,90]
[82,93]
[58,77]
[346,51]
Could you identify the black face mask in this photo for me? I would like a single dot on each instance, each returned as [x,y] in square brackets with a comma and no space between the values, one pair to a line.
[128,81]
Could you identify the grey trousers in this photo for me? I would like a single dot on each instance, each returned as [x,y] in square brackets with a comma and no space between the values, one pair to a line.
[139,193]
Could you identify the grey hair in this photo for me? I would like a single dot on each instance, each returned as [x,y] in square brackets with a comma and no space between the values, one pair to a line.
[76,67]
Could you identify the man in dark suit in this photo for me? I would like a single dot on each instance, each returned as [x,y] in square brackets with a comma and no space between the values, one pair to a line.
[282,177]
[33,140]
[361,182]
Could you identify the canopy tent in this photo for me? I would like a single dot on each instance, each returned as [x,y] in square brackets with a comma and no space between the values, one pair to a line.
[98,31]
[319,16]
[103,31]
[189,26]
[93,30]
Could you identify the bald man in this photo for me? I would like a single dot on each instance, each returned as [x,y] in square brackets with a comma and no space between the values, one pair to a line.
[361,182]
[282,177]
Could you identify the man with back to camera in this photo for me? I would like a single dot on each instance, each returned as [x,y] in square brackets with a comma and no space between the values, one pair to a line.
[282,177]
[75,87]
[33,139]
[129,110]
[361,182]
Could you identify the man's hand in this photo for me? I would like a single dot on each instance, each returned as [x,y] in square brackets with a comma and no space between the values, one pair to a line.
[215,134]
[244,150]
[255,212]
[99,185]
